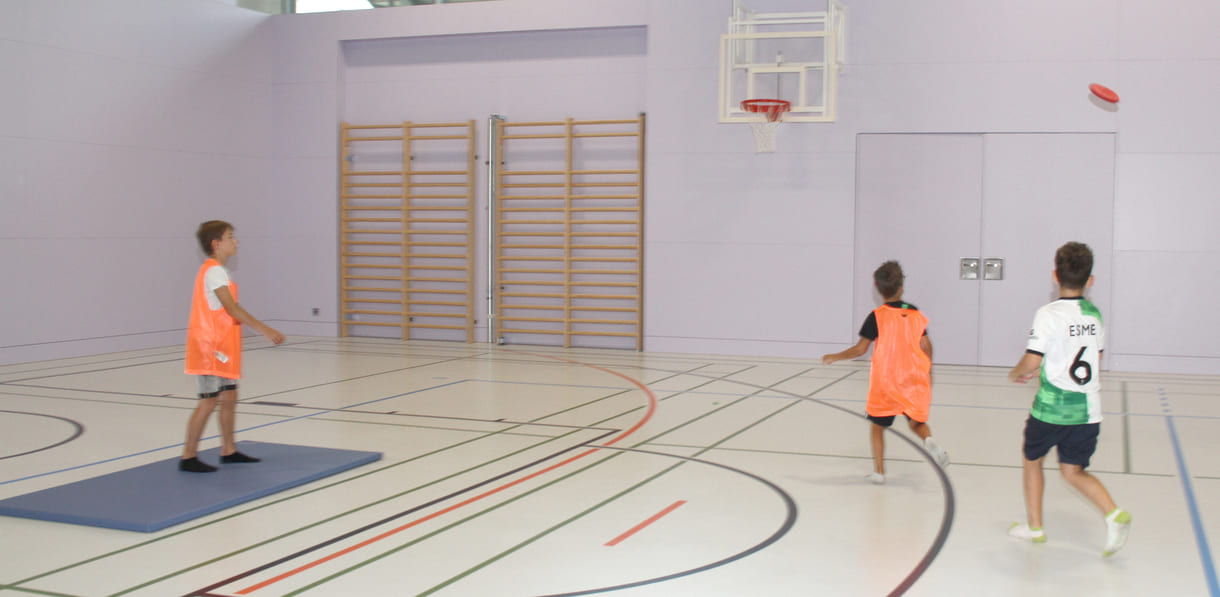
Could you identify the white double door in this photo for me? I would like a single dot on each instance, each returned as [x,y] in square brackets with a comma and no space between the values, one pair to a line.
[931,200]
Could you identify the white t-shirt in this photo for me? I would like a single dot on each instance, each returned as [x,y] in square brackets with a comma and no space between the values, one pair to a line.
[1068,333]
[216,277]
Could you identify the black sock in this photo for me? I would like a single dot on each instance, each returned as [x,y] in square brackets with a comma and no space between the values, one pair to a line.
[194,465]
[237,457]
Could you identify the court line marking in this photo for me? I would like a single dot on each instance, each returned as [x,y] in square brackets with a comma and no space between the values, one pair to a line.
[790,505]
[171,446]
[237,577]
[646,523]
[1196,519]
[485,435]
[78,427]
[648,413]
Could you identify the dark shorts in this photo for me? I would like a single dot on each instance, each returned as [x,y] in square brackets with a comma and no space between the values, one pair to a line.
[1076,443]
[887,421]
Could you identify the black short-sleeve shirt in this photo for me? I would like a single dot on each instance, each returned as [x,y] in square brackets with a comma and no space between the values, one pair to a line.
[869,329]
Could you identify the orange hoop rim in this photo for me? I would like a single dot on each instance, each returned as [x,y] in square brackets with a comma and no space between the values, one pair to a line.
[771,108]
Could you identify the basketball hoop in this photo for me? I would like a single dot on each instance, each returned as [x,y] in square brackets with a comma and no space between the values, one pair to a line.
[767,114]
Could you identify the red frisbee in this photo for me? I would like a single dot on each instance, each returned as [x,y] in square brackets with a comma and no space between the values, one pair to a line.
[1104,92]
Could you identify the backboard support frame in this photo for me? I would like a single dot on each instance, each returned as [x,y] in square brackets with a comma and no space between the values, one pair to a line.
[744,74]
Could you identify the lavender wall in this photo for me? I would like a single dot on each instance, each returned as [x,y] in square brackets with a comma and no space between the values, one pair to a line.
[745,253]
[123,124]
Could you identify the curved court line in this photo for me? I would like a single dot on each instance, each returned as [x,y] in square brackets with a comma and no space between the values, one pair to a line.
[242,430]
[949,512]
[80,429]
[950,507]
[789,522]
[652,407]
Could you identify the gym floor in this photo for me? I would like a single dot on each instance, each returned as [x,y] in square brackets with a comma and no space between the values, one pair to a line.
[522,471]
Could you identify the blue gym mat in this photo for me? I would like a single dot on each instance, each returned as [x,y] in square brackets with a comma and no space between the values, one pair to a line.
[154,496]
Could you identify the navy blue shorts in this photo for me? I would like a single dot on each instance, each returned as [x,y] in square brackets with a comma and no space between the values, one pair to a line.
[1076,443]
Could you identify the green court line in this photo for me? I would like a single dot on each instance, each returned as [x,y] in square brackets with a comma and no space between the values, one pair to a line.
[560,479]
[348,512]
[493,508]
[1126,432]
[628,490]
[281,500]
[35,591]
[260,544]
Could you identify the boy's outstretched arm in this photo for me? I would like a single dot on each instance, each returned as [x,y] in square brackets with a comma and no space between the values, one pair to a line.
[859,349]
[245,318]
[1026,368]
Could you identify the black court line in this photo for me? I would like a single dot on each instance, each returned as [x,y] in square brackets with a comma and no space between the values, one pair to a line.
[204,591]
[118,367]
[245,400]
[790,512]
[79,429]
[950,507]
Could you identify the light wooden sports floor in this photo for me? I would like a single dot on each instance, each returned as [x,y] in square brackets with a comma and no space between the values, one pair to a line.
[521,471]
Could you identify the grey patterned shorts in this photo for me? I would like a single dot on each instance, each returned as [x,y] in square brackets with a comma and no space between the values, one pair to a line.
[210,386]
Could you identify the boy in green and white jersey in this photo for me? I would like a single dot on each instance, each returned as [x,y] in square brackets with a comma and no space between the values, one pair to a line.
[1065,347]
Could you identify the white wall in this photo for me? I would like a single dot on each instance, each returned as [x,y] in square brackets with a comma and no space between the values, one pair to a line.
[745,253]
[123,124]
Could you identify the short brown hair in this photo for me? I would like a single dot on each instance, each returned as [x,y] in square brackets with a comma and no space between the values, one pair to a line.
[1074,265]
[888,278]
[209,231]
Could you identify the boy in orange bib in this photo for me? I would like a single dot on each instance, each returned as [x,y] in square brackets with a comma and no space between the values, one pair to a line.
[213,346]
[900,382]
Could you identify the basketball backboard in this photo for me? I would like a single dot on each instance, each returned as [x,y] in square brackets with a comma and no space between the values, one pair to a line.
[793,56]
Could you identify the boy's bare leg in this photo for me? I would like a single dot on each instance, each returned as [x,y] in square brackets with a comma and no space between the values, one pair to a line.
[228,419]
[195,426]
[1033,482]
[920,429]
[877,439]
[1088,485]
[1118,522]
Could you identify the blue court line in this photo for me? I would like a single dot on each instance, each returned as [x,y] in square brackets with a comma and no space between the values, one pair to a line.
[1205,552]
[279,422]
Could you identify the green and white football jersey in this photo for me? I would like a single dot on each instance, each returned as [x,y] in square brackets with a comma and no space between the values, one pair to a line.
[1068,334]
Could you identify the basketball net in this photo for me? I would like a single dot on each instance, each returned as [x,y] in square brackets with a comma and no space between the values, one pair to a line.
[767,115]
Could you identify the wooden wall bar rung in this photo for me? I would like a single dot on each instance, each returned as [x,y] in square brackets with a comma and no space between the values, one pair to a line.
[418,137]
[424,244]
[586,135]
[435,291]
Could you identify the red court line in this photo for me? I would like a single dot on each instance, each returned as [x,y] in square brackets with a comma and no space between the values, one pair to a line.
[639,527]
[652,407]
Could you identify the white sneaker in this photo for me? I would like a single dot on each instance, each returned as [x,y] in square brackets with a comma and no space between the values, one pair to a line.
[1118,524]
[938,454]
[876,478]
[1021,530]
